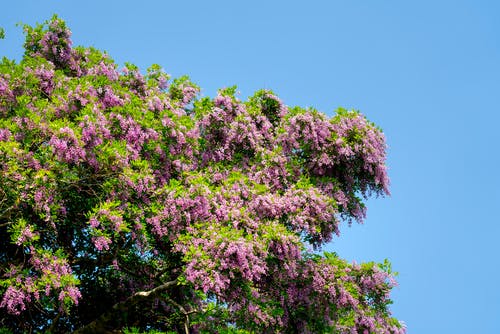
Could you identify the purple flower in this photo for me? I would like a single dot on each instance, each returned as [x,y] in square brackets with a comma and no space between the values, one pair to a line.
[94,223]
[14,300]
[101,243]
[26,235]
[5,134]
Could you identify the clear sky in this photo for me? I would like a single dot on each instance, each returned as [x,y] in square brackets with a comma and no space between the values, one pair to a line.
[427,72]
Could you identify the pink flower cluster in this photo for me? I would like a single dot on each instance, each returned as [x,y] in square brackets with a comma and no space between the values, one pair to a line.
[14,300]
[27,234]
[230,130]
[50,271]
[66,146]
[7,97]
[53,45]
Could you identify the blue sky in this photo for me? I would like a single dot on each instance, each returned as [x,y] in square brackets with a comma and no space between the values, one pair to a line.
[427,72]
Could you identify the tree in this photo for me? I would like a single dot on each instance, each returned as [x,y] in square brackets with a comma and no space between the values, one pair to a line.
[129,201]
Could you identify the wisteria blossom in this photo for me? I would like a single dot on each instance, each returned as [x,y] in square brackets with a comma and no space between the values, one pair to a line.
[128,200]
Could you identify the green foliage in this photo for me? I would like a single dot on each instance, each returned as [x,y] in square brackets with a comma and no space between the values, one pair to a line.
[130,203]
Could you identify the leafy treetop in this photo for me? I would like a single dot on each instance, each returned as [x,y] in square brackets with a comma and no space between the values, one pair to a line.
[126,200]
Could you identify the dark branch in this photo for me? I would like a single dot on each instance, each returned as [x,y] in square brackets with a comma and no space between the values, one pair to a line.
[99,325]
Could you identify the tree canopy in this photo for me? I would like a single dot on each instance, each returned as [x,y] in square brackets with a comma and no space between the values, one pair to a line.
[129,202]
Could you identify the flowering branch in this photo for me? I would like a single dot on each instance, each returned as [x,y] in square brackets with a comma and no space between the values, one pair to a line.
[112,180]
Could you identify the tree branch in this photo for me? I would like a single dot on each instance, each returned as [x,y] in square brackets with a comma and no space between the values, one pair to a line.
[54,323]
[99,325]
[183,311]
[4,215]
